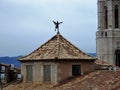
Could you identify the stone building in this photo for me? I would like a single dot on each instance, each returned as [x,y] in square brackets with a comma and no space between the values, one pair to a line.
[8,73]
[55,61]
[108,34]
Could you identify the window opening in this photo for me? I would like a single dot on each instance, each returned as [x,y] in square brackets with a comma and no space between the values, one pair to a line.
[116,16]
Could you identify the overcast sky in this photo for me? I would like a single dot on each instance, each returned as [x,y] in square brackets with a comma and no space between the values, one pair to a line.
[27,24]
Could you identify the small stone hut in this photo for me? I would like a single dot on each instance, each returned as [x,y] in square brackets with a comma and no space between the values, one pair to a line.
[55,61]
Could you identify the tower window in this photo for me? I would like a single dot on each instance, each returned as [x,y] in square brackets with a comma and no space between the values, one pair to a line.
[106,34]
[118,44]
[116,11]
[117,54]
[106,17]
[102,33]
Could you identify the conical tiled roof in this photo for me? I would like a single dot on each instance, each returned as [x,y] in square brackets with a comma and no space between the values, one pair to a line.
[57,48]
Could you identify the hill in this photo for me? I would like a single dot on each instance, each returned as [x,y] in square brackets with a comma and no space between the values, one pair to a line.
[10,60]
[92,54]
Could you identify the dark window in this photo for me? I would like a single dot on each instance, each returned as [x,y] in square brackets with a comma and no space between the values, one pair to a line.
[47,73]
[106,17]
[116,16]
[106,34]
[118,44]
[29,72]
[76,70]
[11,76]
[102,33]
[117,54]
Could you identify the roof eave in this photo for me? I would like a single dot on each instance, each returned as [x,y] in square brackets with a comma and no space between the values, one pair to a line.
[58,59]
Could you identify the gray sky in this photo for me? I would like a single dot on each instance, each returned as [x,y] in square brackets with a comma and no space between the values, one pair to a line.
[27,24]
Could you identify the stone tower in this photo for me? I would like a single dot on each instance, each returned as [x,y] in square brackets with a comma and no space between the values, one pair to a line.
[108,34]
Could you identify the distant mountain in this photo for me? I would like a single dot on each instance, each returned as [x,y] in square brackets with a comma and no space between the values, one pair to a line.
[10,60]
[13,60]
[93,54]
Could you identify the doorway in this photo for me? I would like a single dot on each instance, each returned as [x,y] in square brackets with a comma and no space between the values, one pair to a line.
[117,57]
[76,70]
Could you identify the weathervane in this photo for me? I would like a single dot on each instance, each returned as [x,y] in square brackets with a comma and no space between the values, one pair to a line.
[57,25]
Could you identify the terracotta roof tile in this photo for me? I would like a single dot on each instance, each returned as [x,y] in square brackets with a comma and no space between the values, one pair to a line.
[57,47]
[98,80]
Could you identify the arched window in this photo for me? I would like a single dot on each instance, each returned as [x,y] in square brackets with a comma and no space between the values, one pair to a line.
[116,16]
[106,17]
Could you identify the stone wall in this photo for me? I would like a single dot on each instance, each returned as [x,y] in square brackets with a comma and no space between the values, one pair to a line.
[59,71]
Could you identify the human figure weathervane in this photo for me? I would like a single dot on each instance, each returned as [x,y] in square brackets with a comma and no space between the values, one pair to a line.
[57,25]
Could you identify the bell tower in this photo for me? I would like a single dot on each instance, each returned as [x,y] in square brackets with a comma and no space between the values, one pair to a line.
[108,34]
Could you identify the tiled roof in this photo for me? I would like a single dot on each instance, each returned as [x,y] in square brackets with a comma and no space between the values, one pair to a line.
[98,80]
[57,48]
[102,62]
[6,65]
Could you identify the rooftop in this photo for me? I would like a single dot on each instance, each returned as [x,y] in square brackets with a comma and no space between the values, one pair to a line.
[98,80]
[57,48]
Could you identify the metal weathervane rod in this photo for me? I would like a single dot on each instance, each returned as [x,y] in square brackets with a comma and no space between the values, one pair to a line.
[57,23]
